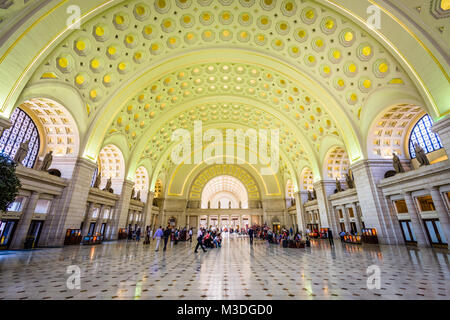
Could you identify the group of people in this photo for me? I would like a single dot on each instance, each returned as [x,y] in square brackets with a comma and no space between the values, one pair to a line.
[209,238]
[134,234]
[174,234]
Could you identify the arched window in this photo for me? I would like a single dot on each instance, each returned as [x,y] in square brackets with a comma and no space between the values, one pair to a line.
[23,129]
[422,134]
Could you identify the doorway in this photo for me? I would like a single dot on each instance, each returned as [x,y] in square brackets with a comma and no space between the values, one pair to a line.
[7,229]
[407,231]
[35,232]
[435,233]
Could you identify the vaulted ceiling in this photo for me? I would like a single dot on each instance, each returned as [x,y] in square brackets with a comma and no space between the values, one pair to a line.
[146,68]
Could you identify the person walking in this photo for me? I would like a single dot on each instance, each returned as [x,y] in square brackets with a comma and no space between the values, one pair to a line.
[330,237]
[158,235]
[250,234]
[200,241]
[138,235]
[167,233]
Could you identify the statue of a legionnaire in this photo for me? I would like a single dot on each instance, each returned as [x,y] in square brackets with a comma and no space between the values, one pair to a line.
[133,194]
[397,164]
[349,180]
[218,204]
[338,185]
[209,204]
[47,162]
[309,196]
[108,185]
[314,194]
[138,195]
[229,205]
[21,153]
[420,155]
[98,180]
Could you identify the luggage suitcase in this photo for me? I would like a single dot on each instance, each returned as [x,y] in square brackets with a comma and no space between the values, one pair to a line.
[285,244]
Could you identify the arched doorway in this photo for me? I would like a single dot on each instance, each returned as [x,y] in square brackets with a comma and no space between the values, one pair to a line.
[224,192]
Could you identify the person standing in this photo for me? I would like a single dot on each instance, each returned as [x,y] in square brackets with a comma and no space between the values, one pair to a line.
[250,234]
[330,237]
[190,235]
[200,240]
[167,234]
[158,235]
[138,235]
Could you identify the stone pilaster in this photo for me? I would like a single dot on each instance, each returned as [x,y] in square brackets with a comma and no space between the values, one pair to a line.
[87,220]
[148,208]
[323,189]
[24,222]
[356,215]
[98,224]
[442,128]
[71,208]
[441,211]
[416,221]
[300,212]
[346,218]
[122,208]
[367,174]
[395,222]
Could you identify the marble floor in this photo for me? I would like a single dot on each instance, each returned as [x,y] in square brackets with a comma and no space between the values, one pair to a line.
[127,270]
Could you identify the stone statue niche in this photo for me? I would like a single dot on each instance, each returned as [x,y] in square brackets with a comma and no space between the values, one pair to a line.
[22,152]
[420,155]
[47,162]
[397,164]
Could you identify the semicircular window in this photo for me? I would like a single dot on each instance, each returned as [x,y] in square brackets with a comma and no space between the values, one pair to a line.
[422,134]
[22,129]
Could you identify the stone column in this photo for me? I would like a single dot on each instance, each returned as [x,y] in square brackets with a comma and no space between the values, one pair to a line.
[416,221]
[441,211]
[323,189]
[338,222]
[87,220]
[98,226]
[357,221]
[395,222]
[300,212]
[4,124]
[346,219]
[442,128]
[148,208]
[367,174]
[24,223]
[72,206]
[122,208]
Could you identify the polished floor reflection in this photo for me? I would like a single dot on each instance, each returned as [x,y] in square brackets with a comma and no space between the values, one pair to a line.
[126,270]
